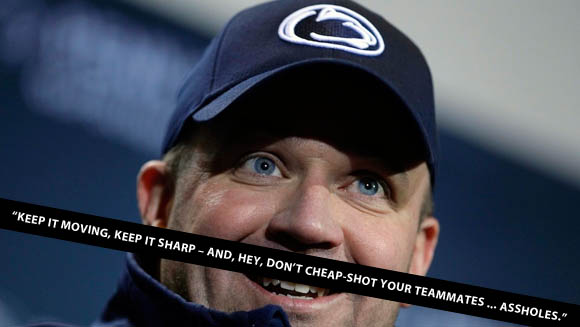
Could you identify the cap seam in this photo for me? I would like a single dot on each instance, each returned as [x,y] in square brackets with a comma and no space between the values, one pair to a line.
[218,54]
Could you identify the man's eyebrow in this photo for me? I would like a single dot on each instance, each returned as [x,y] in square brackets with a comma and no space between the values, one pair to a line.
[392,168]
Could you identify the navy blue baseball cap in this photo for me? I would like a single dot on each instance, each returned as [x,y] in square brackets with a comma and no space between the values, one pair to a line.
[263,41]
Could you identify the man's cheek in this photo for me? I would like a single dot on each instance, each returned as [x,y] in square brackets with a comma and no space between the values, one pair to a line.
[380,247]
[232,213]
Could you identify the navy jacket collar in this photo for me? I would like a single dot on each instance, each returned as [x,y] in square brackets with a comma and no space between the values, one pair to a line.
[141,300]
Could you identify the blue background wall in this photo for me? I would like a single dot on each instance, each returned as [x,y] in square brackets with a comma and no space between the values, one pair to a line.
[84,92]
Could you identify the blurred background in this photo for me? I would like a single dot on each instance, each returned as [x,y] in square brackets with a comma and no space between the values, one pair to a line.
[86,88]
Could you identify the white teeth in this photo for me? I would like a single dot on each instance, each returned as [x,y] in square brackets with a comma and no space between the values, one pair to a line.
[301,288]
[287,285]
[266,281]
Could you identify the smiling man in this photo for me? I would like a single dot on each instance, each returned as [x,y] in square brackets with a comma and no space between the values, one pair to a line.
[305,127]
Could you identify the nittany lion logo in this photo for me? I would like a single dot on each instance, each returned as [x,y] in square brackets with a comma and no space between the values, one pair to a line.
[351,32]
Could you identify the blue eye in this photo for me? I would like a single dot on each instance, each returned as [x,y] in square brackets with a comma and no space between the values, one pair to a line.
[368,186]
[258,166]
[264,166]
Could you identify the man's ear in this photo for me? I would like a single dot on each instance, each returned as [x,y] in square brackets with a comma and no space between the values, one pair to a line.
[425,245]
[154,193]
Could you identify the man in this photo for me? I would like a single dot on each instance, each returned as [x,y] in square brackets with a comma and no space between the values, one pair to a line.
[305,127]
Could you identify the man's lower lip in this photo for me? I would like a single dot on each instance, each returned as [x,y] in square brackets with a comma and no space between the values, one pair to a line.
[296,304]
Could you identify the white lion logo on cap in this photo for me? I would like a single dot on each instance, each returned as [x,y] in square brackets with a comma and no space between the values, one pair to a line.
[369,42]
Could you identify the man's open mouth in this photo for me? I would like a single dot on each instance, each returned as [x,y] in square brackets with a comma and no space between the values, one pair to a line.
[293,290]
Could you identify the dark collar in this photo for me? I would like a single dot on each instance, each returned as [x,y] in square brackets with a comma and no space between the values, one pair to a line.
[141,300]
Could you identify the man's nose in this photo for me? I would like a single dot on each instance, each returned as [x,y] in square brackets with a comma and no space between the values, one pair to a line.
[307,220]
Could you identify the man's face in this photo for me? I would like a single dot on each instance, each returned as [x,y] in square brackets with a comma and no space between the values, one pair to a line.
[318,186]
